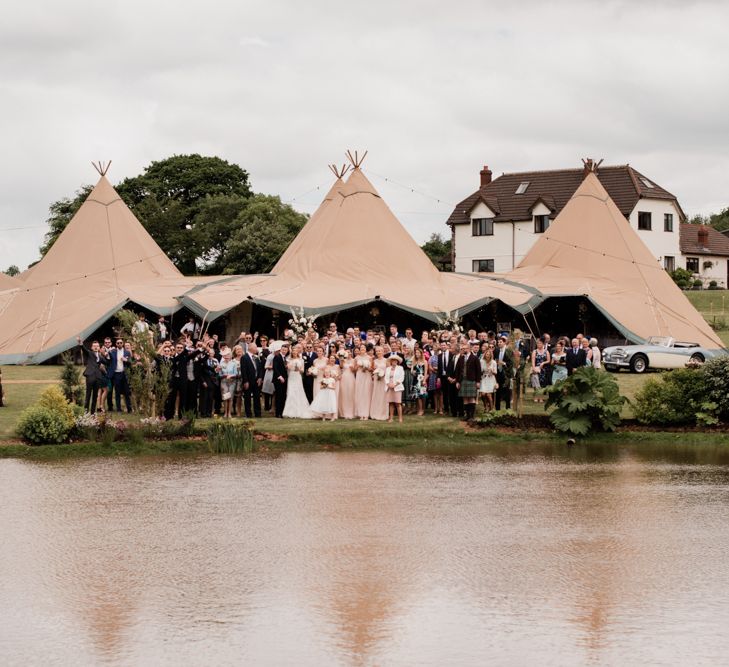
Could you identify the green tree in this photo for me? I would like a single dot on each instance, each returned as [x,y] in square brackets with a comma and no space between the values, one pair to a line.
[436,247]
[60,214]
[12,270]
[258,236]
[168,196]
[719,221]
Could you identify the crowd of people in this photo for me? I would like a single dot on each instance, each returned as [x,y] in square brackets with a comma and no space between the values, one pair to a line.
[354,374]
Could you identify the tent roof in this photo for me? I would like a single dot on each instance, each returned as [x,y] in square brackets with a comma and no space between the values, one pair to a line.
[8,282]
[591,249]
[101,261]
[352,251]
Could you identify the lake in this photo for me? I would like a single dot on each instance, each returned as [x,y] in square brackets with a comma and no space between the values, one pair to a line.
[514,555]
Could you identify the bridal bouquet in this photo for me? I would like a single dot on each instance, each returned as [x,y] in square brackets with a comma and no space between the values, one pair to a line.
[327,383]
[451,322]
[342,355]
[300,324]
[379,373]
[313,371]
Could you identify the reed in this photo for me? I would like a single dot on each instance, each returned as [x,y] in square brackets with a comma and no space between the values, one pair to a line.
[228,437]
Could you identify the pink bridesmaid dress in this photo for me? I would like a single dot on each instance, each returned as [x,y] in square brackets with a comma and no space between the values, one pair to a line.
[379,408]
[346,390]
[362,387]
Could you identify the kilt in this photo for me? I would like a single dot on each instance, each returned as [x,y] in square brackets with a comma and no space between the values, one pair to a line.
[469,389]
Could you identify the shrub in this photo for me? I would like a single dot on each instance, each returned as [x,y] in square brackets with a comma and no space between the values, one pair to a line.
[681,277]
[71,379]
[716,375]
[40,425]
[713,284]
[588,400]
[671,399]
[230,437]
[697,283]
[53,399]
[500,418]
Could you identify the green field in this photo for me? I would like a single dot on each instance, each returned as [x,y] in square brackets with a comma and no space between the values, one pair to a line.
[714,306]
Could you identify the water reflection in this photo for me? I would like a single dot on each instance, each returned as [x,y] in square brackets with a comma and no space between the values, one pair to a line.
[512,554]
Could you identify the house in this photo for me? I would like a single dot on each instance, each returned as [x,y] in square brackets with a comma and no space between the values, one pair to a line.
[705,253]
[494,228]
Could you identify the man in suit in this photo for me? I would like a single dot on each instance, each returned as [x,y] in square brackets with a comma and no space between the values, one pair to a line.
[119,361]
[309,355]
[94,373]
[280,379]
[252,375]
[468,377]
[456,403]
[504,357]
[444,358]
[576,357]
[178,381]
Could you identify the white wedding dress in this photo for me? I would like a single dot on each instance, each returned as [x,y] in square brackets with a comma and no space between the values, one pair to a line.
[296,407]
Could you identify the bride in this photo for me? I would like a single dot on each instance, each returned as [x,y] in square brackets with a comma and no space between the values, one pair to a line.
[296,404]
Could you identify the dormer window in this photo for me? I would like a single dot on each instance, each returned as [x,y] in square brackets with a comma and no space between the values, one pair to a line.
[522,188]
[482,227]
[541,224]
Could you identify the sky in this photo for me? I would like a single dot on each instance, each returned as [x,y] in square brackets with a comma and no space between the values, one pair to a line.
[432,90]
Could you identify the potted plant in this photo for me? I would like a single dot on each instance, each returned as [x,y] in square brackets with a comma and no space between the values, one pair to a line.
[697,284]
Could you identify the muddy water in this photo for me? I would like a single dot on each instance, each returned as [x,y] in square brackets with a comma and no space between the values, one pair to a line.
[524,555]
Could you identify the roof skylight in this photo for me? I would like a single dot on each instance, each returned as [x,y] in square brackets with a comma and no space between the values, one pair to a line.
[647,183]
[522,188]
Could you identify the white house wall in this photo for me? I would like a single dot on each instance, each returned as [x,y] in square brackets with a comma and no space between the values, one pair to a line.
[718,271]
[661,244]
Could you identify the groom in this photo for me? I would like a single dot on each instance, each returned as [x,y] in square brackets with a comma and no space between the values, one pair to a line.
[309,356]
[280,378]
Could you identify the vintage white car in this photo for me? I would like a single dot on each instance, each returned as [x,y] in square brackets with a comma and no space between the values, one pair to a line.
[659,352]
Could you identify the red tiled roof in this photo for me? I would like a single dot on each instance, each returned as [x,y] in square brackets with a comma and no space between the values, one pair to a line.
[717,243]
[624,184]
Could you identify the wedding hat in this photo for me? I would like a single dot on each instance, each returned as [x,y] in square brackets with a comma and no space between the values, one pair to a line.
[395,357]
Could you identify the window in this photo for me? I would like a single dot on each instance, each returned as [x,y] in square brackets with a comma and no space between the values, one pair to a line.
[483,226]
[668,222]
[522,188]
[541,223]
[644,220]
[483,266]
[669,263]
[692,264]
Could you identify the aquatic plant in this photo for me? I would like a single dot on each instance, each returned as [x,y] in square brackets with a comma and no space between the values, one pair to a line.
[230,437]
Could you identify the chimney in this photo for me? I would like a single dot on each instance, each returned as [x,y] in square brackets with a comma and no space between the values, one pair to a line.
[485,176]
[703,235]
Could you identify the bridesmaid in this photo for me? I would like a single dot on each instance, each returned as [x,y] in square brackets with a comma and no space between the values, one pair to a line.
[363,384]
[317,368]
[379,408]
[335,372]
[346,387]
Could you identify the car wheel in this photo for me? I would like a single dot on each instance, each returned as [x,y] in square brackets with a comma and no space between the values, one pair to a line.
[697,358]
[639,363]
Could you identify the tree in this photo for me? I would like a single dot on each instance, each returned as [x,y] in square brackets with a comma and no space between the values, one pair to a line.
[168,196]
[60,214]
[258,236]
[12,270]
[437,248]
[719,221]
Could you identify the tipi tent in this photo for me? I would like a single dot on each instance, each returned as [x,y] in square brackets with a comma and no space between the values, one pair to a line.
[351,252]
[102,260]
[8,282]
[591,250]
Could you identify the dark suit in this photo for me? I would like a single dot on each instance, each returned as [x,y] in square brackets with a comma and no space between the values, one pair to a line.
[468,369]
[207,372]
[309,379]
[178,383]
[95,374]
[575,360]
[251,371]
[119,379]
[455,401]
[504,375]
[445,365]
[280,370]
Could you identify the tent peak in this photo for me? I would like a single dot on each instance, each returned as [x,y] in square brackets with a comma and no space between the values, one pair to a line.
[356,160]
[339,172]
[590,166]
[101,167]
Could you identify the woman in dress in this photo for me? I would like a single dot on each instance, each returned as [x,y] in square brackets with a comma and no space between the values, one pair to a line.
[420,380]
[435,393]
[540,361]
[317,367]
[378,402]
[296,406]
[596,354]
[346,387]
[229,372]
[559,363]
[363,384]
[324,404]
[238,394]
[585,343]
[394,387]
[267,388]
[488,378]
[335,372]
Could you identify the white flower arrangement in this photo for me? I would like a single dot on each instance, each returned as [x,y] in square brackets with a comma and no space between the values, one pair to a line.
[313,371]
[327,383]
[451,322]
[379,373]
[342,354]
[301,324]
[87,420]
